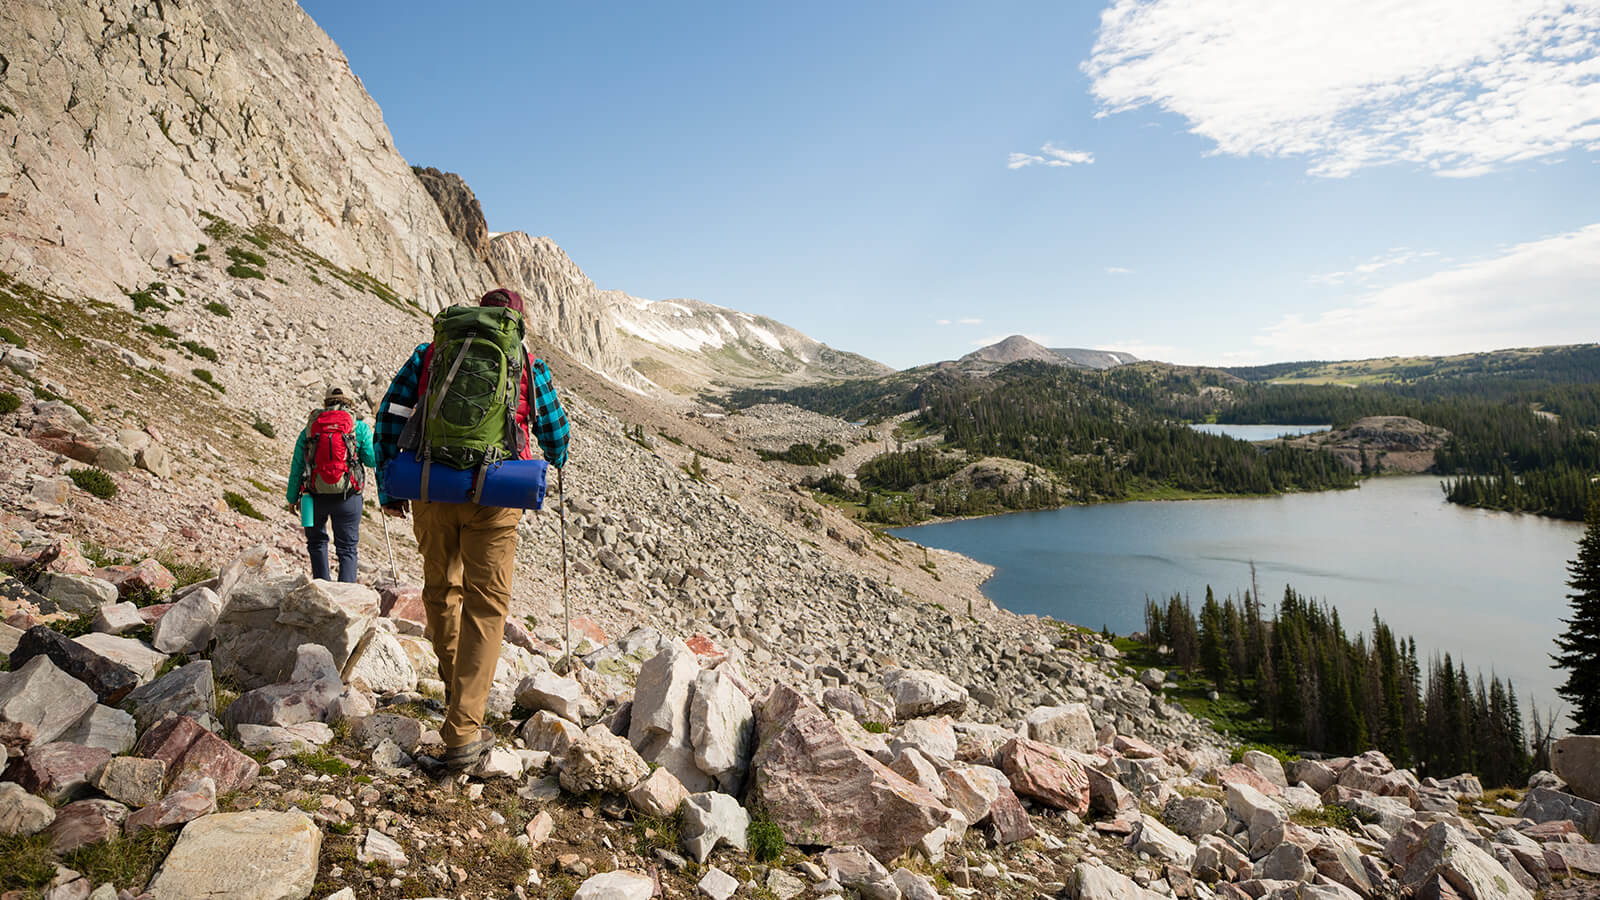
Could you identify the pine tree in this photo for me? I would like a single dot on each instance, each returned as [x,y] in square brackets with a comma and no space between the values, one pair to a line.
[1214,642]
[1580,643]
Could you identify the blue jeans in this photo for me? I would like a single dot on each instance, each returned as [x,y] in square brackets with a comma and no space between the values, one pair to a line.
[345,511]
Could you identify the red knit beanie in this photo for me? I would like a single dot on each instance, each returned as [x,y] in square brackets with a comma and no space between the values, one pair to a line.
[502,297]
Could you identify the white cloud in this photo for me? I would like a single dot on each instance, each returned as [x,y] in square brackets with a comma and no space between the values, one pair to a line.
[1461,87]
[941,321]
[972,321]
[1117,270]
[1536,293]
[1050,155]
[1397,256]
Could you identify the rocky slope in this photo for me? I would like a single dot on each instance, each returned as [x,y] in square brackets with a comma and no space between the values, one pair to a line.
[688,346]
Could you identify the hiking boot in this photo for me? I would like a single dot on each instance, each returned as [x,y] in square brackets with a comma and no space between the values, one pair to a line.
[467,755]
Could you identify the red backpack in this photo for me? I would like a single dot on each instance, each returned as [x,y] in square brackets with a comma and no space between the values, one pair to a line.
[333,464]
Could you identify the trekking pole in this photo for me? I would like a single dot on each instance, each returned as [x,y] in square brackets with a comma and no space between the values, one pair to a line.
[394,574]
[566,607]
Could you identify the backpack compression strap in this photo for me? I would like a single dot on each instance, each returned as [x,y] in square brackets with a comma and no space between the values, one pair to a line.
[433,409]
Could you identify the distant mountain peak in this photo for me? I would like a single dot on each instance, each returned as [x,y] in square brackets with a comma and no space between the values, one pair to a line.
[1017,348]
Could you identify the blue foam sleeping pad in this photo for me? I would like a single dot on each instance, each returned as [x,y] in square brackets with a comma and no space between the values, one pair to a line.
[514,483]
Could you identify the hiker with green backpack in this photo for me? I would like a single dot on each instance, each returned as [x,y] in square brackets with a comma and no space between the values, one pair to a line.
[465,403]
[327,471]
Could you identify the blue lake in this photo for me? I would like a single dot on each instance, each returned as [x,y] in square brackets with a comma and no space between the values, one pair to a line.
[1259,432]
[1487,587]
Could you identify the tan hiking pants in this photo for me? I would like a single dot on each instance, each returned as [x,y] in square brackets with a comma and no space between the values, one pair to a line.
[468,555]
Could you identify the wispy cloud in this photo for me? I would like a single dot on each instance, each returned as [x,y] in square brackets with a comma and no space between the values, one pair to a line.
[1117,270]
[1539,292]
[972,321]
[1050,155]
[941,321]
[1397,256]
[1461,87]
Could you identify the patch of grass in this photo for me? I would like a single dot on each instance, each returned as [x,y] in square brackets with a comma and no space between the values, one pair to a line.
[159,330]
[78,627]
[341,827]
[653,833]
[1334,815]
[26,862]
[209,379]
[12,338]
[218,308]
[95,480]
[245,257]
[239,270]
[265,427]
[175,661]
[259,486]
[765,839]
[186,573]
[101,555]
[124,861]
[505,850]
[199,349]
[323,761]
[242,505]
[146,299]
[1275,752]
[875,727]
[9,402]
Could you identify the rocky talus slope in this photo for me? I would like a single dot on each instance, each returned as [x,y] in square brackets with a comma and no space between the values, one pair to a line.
[766,700]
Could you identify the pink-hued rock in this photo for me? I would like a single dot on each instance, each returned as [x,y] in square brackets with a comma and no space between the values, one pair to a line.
[146,576]
[1133,748]
[1242,774]
[1040,772]
[153,613]
[192,752]
[58,770]
[191,801]
[821,789]
[710,654]
[404,602]
[1008,818]
[589,628]
[86,822]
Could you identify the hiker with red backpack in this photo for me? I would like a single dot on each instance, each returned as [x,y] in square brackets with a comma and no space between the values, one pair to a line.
[458,417]
[327,467]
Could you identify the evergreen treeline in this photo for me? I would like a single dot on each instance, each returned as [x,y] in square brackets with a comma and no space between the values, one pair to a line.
[801,454]
[1321,688]
[1082,427]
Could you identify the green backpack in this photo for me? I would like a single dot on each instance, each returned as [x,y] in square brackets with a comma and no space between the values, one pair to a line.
[466,418]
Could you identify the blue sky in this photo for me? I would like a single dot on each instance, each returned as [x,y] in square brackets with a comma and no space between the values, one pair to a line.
[1205,181]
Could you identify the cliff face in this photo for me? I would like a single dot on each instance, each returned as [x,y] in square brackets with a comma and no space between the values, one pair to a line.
[123,122]
[462,212]
[561,302]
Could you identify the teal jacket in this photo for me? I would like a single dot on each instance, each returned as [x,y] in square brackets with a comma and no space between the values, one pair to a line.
[297,463]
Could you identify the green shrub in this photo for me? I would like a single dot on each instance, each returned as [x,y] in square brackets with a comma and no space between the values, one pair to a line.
[159,330]
[186,573]
[765,839]
[12,338]
[200,350]
[1334,814]
[9,402]
[241,505]
[218,308]
[323,761]
[875,727]
[245,257]
[1277,753]
[95,480]
[210,379]
[265,427]
[78,627]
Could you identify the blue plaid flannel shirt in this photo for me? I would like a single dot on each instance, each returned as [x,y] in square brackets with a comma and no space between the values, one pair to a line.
[547,421]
